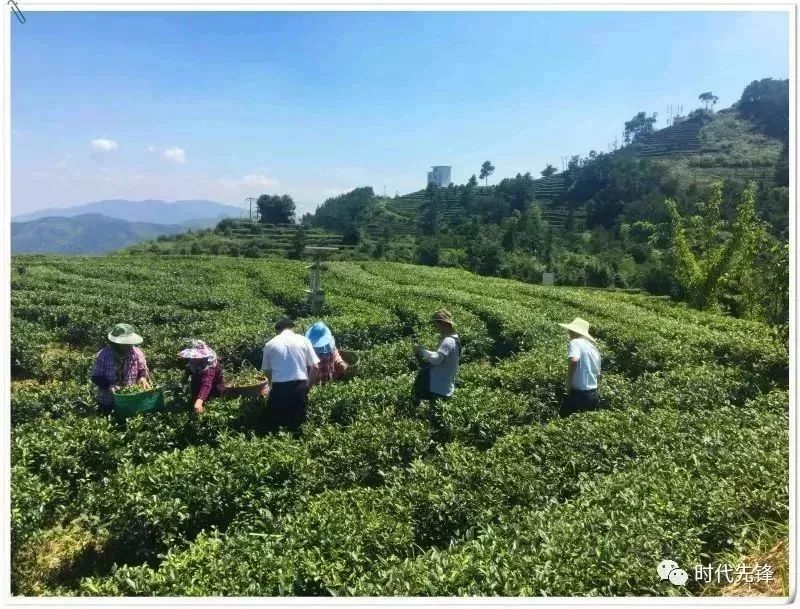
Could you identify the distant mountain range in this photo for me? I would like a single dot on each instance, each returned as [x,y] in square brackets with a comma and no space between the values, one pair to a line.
[199,213]
[84,234]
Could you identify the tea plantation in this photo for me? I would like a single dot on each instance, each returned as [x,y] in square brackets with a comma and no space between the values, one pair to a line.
[488,494]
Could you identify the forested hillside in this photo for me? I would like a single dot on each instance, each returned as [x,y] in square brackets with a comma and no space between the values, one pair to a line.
[611,219]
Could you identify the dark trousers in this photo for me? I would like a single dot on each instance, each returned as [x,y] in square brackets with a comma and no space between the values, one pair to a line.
[287,405]
[579,401]
[421,389]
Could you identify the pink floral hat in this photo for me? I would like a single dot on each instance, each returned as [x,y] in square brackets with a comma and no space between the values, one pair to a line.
[198,350]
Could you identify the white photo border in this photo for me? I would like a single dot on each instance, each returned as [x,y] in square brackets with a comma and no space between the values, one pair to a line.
[30,7]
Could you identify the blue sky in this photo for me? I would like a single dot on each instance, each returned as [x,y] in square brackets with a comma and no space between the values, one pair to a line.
[221,106]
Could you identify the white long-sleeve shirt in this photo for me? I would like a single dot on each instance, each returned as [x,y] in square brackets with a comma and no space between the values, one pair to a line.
[444,365]
[588,364]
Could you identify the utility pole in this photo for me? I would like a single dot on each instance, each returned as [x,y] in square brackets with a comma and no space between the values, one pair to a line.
[250,200]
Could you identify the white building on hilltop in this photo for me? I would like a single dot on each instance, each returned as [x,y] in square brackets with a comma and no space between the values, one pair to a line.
[439,175]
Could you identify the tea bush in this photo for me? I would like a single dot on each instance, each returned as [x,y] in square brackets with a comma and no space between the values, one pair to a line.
[488,493]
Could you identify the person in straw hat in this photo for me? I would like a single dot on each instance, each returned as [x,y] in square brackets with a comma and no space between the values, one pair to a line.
[437,376]
[119,364]
[583,369]
[205,373]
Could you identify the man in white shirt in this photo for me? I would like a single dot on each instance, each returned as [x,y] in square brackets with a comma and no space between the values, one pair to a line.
[290,364]
[583,369]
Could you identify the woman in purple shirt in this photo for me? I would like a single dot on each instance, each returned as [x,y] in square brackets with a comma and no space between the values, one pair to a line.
[205,373]
[119,364]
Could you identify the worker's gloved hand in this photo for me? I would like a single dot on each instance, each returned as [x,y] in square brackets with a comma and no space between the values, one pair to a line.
[144,383]
[114,389]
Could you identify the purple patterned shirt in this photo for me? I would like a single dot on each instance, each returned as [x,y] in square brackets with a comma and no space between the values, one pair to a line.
[110,370]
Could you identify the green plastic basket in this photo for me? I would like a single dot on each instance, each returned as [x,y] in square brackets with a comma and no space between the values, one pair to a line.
[247,391]
[132,404]
[353,362]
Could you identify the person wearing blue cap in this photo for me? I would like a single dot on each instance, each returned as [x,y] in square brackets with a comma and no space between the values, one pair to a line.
[331,364]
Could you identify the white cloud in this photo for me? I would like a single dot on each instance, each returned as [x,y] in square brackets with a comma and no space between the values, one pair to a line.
[103,145]
[151,149]
[174,154]
[248,182]
[259,180]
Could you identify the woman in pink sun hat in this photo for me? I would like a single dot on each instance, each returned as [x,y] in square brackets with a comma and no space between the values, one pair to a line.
[205,373]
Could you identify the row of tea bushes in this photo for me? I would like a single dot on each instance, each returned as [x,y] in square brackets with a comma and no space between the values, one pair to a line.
[667,484]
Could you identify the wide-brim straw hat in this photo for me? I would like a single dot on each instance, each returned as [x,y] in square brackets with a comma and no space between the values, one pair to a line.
[444,316]
[124,334]
[321,338]
[579,326]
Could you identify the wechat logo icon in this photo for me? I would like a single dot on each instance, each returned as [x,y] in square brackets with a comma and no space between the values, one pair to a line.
[669,570]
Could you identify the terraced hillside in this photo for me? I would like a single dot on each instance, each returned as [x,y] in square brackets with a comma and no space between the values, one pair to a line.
[712,147]
[242,237]
[490,493]
[409,207]
[705,147]
[681,138]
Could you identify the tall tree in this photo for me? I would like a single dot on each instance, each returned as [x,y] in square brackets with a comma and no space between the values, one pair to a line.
[382,243]
[535,229]
[428,251]
[701,263]
[484,253]
[298,244]
[510,232]
[431,211]
[570,225]
[548,171]
[473,181]
[518,191]
[351,234]
[487,169]
[708,98]
[338,213]
[639,126]
[766,104]
[275,209]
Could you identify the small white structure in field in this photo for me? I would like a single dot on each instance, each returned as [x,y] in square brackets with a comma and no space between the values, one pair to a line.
[315,295]
[548,278]
[440,175]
